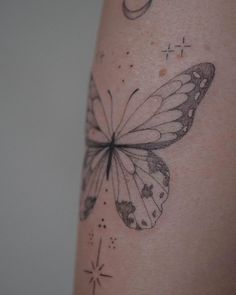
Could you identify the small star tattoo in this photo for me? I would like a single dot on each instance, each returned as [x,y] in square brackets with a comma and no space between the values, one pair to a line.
[168,51]
[96,273]
[182,46]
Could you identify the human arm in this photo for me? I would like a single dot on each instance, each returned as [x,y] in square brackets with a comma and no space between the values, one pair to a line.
[190,247]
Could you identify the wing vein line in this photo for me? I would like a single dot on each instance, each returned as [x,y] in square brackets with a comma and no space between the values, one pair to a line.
[130,116]
[100,178]
[118,181]
[141,157]
[121,167]
[142,198]
[152,196]
[151,177]
[106,119]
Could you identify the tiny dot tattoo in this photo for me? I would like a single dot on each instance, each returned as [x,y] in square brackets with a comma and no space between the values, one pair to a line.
[102,224]
[112,243]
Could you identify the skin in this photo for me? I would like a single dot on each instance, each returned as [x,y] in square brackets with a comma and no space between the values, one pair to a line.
[192,248]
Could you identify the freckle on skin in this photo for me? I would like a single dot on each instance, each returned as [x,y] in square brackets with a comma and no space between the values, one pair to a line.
[162,72]
[207,47]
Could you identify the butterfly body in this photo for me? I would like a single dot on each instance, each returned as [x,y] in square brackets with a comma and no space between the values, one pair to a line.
[123,150]
[111,148]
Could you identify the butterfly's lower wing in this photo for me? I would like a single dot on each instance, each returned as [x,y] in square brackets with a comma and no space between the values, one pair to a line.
[93,174]
[139,196]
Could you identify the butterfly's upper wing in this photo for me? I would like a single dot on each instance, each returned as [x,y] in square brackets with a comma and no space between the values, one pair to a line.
[169,110]
[96,153]
[140,178]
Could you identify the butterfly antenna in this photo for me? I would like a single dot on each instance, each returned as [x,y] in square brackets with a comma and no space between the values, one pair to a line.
[123,114]
[111,114]
[132,94]
[109,93]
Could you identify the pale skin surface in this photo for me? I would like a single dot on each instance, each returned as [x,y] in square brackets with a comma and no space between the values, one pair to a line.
[191,250]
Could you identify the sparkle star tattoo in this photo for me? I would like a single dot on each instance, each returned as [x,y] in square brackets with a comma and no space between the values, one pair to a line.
[168,51]
[123,148]
[183,46]
[96,272]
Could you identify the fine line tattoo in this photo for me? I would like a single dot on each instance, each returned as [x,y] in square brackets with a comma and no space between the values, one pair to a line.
[121,147]
[182,46]
[168,51]
[96,272]
[133,14]
[179,48]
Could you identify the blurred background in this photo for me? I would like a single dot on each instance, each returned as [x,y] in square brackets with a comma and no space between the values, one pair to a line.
[46,50]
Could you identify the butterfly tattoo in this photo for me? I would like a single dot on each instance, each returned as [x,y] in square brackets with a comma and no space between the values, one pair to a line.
[122,146]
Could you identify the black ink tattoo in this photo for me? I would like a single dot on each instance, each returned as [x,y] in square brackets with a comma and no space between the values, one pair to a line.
[182,46]
[100,55]
[102,224]
[168,51]
[91,238]
[96,272]
[89,204]
[135,13]
[112,244]
[122,151]
[126,210]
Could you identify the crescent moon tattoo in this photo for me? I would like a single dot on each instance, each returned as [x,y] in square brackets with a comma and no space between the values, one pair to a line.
[135,13]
